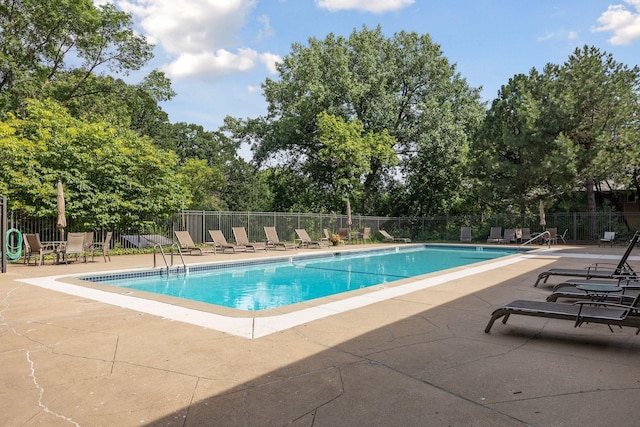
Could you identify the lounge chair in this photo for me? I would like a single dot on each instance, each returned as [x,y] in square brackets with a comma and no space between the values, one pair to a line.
[465,234]
[305,240]
[389,238]
[364,234]
[36,248]
[186,242]
[273,242]
[327,237]
[103,246]
[240,234]
[622,270]
[221,243]
[75,245]
[509,236]
[629,290]
[609,238]
[495,235]
[579,312]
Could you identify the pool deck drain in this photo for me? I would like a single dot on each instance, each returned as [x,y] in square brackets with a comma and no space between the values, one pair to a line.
[418,358]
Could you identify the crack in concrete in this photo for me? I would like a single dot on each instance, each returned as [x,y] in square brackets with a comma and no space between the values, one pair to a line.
[41,391]
[32,368]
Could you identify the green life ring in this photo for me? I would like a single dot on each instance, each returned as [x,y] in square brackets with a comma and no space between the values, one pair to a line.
[14,252]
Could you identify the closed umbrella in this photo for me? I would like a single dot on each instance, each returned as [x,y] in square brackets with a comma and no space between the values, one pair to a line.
[543,218]
[61,224]
[349,221]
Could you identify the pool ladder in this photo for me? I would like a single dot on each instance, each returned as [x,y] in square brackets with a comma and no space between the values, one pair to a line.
[164,258]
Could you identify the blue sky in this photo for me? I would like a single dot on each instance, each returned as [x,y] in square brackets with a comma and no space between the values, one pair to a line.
[218,52]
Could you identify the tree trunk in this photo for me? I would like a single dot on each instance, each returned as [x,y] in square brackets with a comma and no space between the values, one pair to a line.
[591,209]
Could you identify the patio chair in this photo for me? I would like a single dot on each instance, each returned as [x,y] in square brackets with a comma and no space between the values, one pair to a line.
[240,234]
[621,270]
[389,238]
[609,238]
[465,234]
[103,246]
[509,236]
[75,245]
[525,235]
[37,249]
[563,236]
[344,234]
[364,234]
[305,240]
[221,243]
[495,235]
[552,237]
[579,312]
[186,242]
[273,242]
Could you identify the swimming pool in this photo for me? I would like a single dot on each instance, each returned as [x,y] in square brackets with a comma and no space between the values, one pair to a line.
[268,284]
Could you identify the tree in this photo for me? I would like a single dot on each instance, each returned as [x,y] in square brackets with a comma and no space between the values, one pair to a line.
[597,100]
[402,86]
[519,154]
[345,153]
[42,38]
[573,125]
[204,184]
[112,176]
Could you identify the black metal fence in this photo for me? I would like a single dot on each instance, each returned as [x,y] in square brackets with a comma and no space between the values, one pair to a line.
[581,227]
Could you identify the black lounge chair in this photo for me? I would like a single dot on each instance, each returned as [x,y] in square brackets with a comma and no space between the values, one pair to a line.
[579,312]
[630,289]
[622,270]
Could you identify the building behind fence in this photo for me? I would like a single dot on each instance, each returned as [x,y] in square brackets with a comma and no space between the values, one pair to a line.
[581,227]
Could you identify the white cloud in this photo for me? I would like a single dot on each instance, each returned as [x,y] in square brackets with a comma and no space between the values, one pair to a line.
[624,23]
[375,6]
[253,89]
[270,60]
[558,35]
[211,65]
[200,35]
[266,31]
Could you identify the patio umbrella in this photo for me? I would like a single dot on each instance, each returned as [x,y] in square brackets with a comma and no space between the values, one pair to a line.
[61,224]
[543,218]
[349,221]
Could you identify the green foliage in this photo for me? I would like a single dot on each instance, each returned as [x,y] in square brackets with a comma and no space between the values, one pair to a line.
[203,183]
[548,133]
[404,94]
[346,150]
[111,176]
[43,39]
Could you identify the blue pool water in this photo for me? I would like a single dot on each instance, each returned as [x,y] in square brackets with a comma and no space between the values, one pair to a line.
[263,285]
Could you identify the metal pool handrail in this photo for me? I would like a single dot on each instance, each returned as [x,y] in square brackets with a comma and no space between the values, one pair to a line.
[536,237]
[167,265]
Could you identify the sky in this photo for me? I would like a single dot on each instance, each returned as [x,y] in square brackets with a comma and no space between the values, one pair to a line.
[217,53]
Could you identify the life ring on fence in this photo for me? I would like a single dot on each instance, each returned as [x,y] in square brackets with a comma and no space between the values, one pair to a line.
[14,252]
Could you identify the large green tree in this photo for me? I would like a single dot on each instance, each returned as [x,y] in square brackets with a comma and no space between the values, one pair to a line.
[597,99]
[572,125]
[520,156]
[400,86]
[112,176]
[44,39]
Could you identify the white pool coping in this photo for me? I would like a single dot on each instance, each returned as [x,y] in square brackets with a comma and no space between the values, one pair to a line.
[257,327]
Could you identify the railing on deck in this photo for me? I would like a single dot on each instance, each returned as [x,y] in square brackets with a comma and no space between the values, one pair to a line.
[582,227]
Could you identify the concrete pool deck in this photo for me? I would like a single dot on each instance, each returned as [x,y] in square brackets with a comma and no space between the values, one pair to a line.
[419,358]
